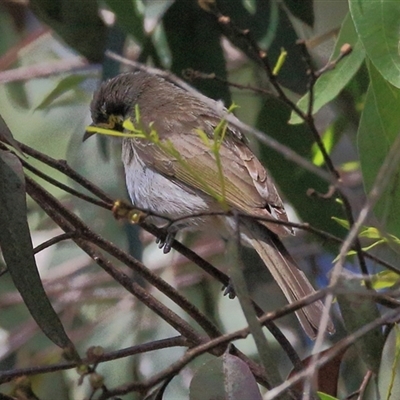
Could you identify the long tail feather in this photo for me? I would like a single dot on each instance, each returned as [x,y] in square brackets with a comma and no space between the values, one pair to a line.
[292,281]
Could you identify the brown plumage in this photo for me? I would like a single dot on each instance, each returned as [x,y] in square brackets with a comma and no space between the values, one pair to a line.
[176,188]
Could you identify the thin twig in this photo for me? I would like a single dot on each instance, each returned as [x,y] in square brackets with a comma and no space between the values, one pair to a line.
[62,166]
[66,188]
[69,222]
[43,70]
[191,74]
[54,240]
[176,341]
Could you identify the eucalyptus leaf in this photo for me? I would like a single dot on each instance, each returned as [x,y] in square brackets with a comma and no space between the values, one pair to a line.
[379,126]
[226,377]
[389,372]
[129,17]
[16,245]
[377,25]
[6,136]
[194,39]
[303,10]
[77,22]
[66,84]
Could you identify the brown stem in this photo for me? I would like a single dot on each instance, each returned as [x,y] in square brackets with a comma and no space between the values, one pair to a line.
[63,167]
[69,222]
[6,376]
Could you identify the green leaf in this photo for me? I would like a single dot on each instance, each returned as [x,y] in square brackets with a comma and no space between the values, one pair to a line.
[331,83]
[77,22]
[17,93]
[384,280]
[350,166]
[328,141]
[377,24]
[379,126]
[68,83]
[371,233]
[129,17]
[389,372]
[17,250]
[342,222]
[6,136]
[194,39]
[303,10]
[155,10]
[226,377]
[324,396]
[358,311]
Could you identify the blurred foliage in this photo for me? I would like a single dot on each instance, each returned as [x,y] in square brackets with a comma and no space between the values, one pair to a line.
[355,104]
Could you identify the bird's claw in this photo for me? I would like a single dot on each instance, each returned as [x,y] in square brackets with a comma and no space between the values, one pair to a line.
[229,290]
[166,244]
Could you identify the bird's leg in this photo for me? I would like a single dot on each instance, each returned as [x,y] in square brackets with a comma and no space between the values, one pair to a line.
[166,243]
[229,290]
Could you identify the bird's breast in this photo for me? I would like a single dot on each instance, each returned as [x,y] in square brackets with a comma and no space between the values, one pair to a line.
[152,191]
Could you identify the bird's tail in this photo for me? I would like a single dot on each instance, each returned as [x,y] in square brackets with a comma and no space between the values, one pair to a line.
[292,281]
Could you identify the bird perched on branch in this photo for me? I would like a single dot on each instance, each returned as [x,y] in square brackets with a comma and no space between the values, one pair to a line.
[185,162]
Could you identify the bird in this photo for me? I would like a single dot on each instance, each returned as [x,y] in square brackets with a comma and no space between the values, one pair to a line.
[180,177]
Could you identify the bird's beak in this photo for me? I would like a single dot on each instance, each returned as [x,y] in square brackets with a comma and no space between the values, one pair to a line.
[88,134]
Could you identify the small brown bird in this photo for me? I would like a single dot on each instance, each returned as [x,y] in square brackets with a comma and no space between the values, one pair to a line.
[182,186]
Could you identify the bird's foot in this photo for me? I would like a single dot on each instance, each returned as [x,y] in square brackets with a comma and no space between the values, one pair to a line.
[166,243]
[229,290]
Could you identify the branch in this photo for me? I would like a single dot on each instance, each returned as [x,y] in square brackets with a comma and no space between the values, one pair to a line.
[63,167]
[6,376]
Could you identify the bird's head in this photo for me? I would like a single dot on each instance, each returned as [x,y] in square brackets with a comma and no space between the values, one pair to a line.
[113,102]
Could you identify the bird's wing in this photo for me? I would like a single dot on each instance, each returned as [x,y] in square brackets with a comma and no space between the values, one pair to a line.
[246,186]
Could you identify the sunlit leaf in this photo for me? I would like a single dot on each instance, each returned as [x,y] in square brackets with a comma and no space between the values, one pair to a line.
[371,233]
[377,24]
[350,166]
[324,396]
[328,141]
[342,222]
[384,279]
